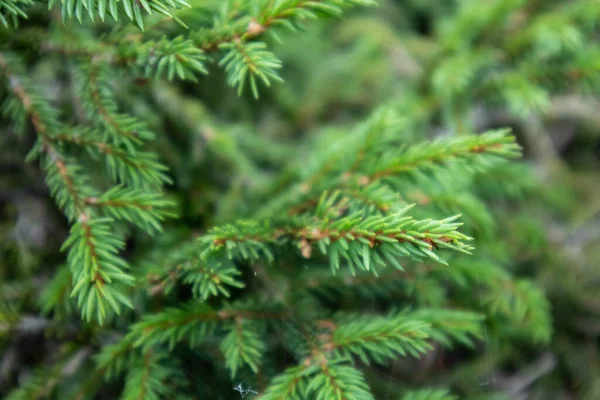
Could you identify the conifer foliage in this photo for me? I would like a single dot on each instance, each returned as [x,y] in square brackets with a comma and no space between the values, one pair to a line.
[266,297]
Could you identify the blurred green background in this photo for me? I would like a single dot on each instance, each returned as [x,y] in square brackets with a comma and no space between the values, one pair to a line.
[446,67]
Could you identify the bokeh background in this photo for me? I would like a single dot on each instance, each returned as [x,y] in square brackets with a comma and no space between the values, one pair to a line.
[446,67]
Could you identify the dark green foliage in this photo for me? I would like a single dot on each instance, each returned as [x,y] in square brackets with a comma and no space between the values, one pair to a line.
[429,394]
[133,10]
[364,230]
[12,10]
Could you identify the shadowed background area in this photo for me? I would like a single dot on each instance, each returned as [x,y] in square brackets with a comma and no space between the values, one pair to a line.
[338,106]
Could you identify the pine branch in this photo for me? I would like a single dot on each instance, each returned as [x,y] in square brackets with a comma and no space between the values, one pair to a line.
[183,263]
[361,242]
[338,381]
[193,323]
[242,346]
[177,57]
[298,227]
[114,359]
[379,338]
[480,151]
[524,303]
[93,85]
[67,183]
[520,303]
[249,61]
[92,256]
[290,13]
[392,165]
[287,13]
[144,209]
[370,339]
[212,279]
[292,384]
[97,270]
[136,168]
[375,197]
[246,59]
[132,9]
[448,326]
[149,377]
[12,10]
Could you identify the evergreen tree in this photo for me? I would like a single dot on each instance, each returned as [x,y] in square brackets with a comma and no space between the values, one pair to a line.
[364,230]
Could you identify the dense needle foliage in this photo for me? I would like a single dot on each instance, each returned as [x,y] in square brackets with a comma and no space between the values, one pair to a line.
[299,199]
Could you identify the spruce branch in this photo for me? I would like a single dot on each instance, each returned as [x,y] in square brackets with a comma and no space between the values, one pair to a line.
[287,13]
[246,59]
[393,165]
[12,10]
[243,58]
[370,339]
[193,322]
[149,376]
[62,177]
[145,209]
[249,61]
[177,57]
[291,384]
[290,13]
[448,326]
[479,150]
[334,230]
[98,272]
[67,183]
[339,381]
[362,242]
[132,9]
[243,345]
[211,280]
[523,303]
[93,85]
[375,197]
[114,359]
[519,303]
[554,34]
[135,168]
[379,338]
[184,264]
